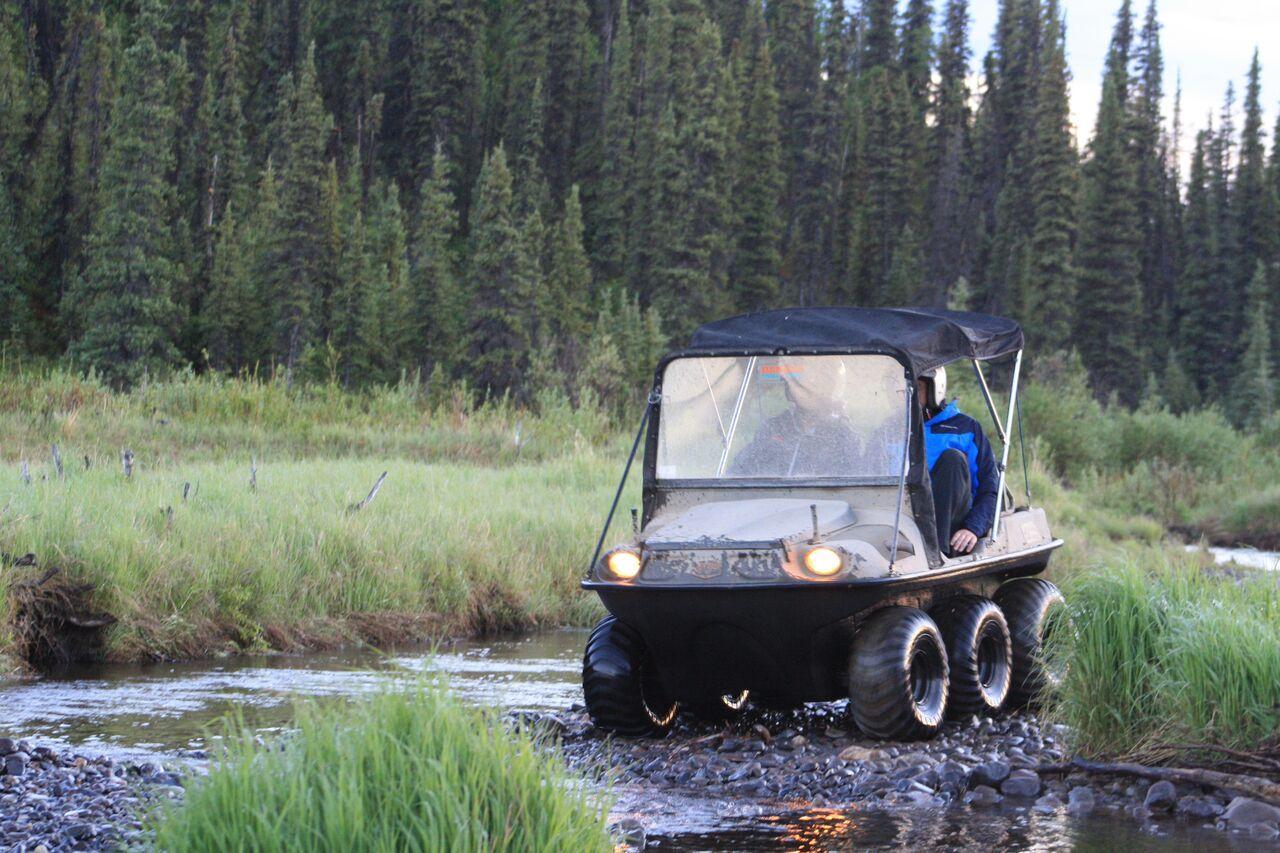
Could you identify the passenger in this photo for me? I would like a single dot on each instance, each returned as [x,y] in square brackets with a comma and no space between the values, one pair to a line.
[812,432]
[962,468]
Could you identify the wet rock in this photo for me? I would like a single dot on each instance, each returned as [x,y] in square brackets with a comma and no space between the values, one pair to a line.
[7,745]
[629,834]
[991,774]
[1081,801]
[15,763]
[1021,783]
[1048,804]
[1200,808]
[1161,797]
[983,795]
[1245,813]
[855,754]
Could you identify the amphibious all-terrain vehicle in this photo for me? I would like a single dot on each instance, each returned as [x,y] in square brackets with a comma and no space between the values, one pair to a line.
[787,550]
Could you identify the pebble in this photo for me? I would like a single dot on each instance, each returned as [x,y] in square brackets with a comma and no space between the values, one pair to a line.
[1245,813]
[52,800]
[1161,797]
[1081,801]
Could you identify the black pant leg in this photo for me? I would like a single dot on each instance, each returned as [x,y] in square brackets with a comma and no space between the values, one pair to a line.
[952,493]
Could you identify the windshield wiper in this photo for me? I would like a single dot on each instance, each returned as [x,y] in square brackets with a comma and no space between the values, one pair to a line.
[737,414]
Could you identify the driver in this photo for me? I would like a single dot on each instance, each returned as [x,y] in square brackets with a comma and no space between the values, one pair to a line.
[814,430]
[962,468]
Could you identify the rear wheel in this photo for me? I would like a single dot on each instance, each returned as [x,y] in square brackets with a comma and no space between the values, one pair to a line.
[1032,607]
[721,708]
[978,652]
[623,693]
[898,675]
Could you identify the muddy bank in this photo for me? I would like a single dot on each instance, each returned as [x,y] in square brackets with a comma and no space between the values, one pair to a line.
[814,757]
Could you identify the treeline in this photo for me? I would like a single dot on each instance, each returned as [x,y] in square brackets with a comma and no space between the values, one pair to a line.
[531,194]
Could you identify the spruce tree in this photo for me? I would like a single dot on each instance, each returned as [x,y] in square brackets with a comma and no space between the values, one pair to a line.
[232,308]
[1254,399]
[123,302]
[1205,329]
[445,84]
[754,275]
[1110,330]
[569,280]
[1050,283]
[917,55]
[295,280]
[497,338]
[1258,241]
[15,302]
[439,306]
[609,208]
[950,220]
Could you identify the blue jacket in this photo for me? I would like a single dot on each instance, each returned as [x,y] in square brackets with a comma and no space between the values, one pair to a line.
[950,429]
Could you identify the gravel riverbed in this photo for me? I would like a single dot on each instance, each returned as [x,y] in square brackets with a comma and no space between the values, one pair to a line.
[813,758]
[52,801]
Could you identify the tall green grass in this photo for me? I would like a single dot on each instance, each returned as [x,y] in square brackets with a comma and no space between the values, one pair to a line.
[1170,656]
[471,549]
[412,771]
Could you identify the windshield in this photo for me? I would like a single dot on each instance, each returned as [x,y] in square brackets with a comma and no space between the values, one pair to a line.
[789,417]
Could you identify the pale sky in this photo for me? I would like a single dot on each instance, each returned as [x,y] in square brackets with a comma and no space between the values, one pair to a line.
[1210,42]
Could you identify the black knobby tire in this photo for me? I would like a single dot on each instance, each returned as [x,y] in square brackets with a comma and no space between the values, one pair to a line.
[1029,606]
[721,708]
[623,694]
[898,675]
[979,652]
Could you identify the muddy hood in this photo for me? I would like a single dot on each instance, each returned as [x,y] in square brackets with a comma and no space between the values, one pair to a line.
[756,521]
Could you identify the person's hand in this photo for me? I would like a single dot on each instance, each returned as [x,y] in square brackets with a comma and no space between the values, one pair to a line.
[963,541]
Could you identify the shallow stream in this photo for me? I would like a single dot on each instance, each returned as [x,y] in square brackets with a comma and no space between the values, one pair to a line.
[169,713]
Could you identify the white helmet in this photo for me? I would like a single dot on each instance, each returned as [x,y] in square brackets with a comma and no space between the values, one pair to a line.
[937,384]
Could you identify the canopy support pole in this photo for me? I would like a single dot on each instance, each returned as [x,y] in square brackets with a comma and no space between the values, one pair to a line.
[653,400]
[1004,454]
[991,403]
[902,483]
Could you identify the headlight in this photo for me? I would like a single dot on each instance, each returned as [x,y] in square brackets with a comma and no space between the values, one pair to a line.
[623,564]
[823,561]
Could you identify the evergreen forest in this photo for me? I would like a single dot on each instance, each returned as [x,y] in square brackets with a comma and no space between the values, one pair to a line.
[526,195]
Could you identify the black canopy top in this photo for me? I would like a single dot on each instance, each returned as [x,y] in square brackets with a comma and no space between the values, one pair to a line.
[924,338]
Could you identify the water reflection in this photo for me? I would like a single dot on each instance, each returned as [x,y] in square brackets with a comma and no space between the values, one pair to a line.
[953,829]
[137,712]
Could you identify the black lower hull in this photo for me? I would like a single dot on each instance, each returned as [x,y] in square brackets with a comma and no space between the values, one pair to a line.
[785,643]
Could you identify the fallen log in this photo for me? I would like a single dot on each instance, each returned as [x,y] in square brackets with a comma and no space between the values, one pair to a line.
[1249,786]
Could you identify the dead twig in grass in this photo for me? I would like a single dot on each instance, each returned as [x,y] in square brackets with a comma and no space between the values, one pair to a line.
[373,493]
[57,459]
[126,460]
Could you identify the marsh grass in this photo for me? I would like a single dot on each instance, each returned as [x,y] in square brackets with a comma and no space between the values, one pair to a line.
[1169,656]
[404,771]
[463,549]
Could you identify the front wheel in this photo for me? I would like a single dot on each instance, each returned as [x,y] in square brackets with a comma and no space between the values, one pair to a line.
[623,693]
[1032,607]
[898,675]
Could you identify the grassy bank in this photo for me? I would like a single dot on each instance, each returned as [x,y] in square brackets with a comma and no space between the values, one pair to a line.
[410,771]
[1162,658]
[446,547]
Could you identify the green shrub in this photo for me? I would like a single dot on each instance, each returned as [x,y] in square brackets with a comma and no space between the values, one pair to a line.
[401,771]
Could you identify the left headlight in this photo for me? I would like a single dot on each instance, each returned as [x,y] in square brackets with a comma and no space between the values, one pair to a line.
[623,564]
[823,561]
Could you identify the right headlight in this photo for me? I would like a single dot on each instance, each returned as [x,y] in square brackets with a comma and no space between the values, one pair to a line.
[823,561]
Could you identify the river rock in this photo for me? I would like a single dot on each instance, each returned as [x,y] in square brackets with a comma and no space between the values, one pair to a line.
[983,795]
[1021,783]
[7,745]
[991,774]
[1048,804]
[1245,813]
[855,753]
[15,763]
[629,834]
[1081,801]
[1161,796]
[1200,808]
